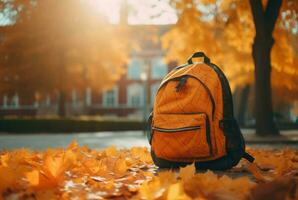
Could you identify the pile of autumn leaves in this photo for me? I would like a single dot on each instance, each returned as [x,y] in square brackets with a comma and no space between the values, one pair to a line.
[82,173]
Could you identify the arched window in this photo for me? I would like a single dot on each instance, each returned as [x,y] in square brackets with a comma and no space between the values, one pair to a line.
[135,95]
[159,69]
[110,97]
[135,68]
[15,101]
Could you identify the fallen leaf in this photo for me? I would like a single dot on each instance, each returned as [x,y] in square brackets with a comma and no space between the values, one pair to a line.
[33,177]
[279,189]
[253,168]
[187,172]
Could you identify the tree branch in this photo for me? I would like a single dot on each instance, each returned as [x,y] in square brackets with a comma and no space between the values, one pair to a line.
[258,16]
[271,14]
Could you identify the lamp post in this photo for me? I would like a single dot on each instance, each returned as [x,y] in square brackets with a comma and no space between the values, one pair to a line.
[144,79]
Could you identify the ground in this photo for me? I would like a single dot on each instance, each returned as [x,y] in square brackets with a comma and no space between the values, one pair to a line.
[124,139]
[113,165]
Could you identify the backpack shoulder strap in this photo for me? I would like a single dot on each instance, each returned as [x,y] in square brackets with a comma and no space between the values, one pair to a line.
[228,123]
[248,157]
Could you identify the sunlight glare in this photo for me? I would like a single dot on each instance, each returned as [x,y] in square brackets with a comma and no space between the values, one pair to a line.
[109,8]
[151,12]
[140,11]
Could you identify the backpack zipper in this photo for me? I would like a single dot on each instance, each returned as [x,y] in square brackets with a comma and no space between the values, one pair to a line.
[181,83]
[191,128]
[208,134]
[203,84]
[209,93]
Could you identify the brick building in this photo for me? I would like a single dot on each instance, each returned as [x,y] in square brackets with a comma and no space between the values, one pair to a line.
[132,95]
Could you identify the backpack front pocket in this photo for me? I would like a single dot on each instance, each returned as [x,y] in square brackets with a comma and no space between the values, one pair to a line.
[181,136]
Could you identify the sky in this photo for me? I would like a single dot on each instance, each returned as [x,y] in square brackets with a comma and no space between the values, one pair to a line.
[140,11]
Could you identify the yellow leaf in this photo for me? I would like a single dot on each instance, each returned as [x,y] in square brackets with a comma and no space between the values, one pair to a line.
[54,165]
[175,192]
[167,178]
[109,185]
[73,145]
[253,168]
[120,166]
[111,151]
[33,177]
[4,159]
[152,190]
[69,159]
[7,178]
[187,172]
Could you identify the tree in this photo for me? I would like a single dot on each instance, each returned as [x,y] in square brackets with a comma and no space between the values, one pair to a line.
[54,45]
[231,31]
[264,20]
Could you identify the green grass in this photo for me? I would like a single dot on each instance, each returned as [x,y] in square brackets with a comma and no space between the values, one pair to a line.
[67,125]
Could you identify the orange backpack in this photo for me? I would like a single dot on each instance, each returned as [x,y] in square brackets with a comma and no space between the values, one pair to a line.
[193,120]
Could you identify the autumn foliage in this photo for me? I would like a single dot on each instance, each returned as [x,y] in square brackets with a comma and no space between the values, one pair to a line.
[82,173]
[57,47]
[225,31]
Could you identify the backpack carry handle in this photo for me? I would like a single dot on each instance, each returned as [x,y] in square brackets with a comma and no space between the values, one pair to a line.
[198,55]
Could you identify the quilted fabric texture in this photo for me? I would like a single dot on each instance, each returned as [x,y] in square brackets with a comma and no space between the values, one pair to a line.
[166,144]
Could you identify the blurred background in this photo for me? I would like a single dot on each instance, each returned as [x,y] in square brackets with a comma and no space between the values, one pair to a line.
[95,65]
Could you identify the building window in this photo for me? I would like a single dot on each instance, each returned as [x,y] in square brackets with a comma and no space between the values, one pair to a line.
[15,101]
[5,101]
[88,97]
[135,95]
[159,69]
[135,68]
[110,97]
[153,92]
[74,97]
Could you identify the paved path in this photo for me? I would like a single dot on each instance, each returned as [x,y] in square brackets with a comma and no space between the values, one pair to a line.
[120,139]
[285,137]
[93,140]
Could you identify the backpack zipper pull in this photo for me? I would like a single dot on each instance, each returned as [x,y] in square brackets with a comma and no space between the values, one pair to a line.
[181,83]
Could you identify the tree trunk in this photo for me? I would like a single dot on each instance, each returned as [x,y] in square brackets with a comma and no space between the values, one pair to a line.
[61,104]
[264,20]
[244,94]
[265,124]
